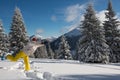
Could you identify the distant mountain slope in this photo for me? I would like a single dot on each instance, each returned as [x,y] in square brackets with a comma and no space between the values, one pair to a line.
[74,32]
[72,37]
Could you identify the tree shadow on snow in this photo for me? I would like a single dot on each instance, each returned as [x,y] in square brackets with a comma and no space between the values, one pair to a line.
[89,77]
[107,67]
[115,64]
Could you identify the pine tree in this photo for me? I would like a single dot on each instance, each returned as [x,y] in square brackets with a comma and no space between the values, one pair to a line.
[64,49]
[18,35]
[112,33]
[3,40]
[49,50]
[76,57]
[41,52]
[92,44]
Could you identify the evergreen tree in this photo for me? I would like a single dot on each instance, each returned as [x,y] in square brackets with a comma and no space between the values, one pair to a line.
[18,35]
[92,44]
[76,57]
[3,40]
[64,49]
[112,33]
[41,52]
[49,50]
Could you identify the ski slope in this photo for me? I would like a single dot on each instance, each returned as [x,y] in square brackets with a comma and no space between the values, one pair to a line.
[46,69]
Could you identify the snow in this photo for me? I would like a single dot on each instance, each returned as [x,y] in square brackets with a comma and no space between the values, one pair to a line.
[9,71]
[46,69]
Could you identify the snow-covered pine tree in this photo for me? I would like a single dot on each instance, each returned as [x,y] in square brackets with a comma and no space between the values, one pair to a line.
[64,49]
[92,44]
[76,57]
[18,35]
[41,52]
[112,33]
[49,50]
[3,40]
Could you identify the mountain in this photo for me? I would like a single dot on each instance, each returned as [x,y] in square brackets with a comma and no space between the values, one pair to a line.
[74,32]
[50,39]
[72,37]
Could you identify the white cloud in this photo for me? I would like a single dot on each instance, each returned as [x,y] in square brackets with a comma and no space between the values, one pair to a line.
[53,18]
[75,24]
[39,31]
[71,26]
[101,15]
[74,16]
[73,12]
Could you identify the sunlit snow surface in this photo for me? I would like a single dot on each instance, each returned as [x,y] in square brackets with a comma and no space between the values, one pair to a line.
[46,69]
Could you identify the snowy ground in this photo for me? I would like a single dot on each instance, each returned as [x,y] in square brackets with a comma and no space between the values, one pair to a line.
[45,69]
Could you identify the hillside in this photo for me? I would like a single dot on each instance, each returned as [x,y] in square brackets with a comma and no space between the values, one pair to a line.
[72,37]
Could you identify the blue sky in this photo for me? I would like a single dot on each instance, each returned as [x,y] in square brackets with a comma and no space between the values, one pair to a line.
[50,17]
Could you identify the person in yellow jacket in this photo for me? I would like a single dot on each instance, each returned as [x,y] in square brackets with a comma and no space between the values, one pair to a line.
[25,52]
